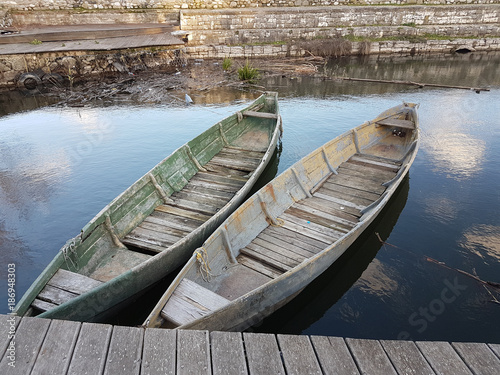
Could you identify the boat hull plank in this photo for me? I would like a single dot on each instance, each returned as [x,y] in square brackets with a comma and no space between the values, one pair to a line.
[187,214]
[296,238]
[321,217]
[171,221]
[303,252]
[283,264]
[349,192]
[330,207]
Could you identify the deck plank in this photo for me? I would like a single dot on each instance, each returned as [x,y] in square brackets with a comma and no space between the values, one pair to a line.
[479,357]
[495,348]
[93,342]
[406,357]
[334,356]
[298,355]
[443,358]
[193,353]
[57,348]
[263,354]
[30,334]
[159,352]
[125,350]
[8,324]
[370,357]
[228,354]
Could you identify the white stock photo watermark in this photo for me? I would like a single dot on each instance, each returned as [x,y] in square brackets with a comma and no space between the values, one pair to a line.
[428,314]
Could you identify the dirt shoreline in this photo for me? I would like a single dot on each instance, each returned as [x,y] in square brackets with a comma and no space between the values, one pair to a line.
[197,76]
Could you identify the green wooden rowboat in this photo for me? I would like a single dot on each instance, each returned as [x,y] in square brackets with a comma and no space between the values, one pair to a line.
[292,229]
[154,226]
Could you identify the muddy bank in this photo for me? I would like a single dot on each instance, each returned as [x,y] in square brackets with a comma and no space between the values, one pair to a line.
[169,85]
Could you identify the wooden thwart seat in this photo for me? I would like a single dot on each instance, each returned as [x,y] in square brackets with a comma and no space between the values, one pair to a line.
[406,124]
[62,287]
[191,301]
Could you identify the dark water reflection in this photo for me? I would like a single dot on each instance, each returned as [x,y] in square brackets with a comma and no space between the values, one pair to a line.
[60,166]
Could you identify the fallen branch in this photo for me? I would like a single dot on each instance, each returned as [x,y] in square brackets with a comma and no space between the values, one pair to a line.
[420,85]
[490,284]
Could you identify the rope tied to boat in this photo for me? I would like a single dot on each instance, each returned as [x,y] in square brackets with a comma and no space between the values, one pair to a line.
[70,249]
[277,222]
[204,266]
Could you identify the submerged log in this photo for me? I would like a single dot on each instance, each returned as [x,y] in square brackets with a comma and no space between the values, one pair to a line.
[420,85]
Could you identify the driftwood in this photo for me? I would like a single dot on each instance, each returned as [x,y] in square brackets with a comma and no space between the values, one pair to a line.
[420,85]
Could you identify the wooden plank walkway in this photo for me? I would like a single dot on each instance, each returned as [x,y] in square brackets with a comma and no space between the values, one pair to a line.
[89,38]
[45,346]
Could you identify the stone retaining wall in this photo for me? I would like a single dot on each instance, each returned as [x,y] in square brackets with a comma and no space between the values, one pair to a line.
[211,4]
[283,24]
[86,64]
[357,48]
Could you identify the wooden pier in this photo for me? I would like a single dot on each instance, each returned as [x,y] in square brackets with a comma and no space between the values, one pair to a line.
[52,347]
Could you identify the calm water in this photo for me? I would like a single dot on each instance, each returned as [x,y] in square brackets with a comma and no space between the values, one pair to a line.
[60,166]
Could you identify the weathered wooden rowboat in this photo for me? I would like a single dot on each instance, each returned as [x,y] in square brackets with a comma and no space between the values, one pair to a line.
[154,226]
[292,229]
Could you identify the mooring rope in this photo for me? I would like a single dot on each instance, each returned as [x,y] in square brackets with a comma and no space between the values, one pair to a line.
[202,259]
[68,249]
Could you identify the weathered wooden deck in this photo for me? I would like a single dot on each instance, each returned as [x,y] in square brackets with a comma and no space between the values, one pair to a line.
[88,38]
[45,346]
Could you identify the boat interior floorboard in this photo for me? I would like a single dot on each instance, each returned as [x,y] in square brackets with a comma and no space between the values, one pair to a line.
[312,224]
[203,196]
